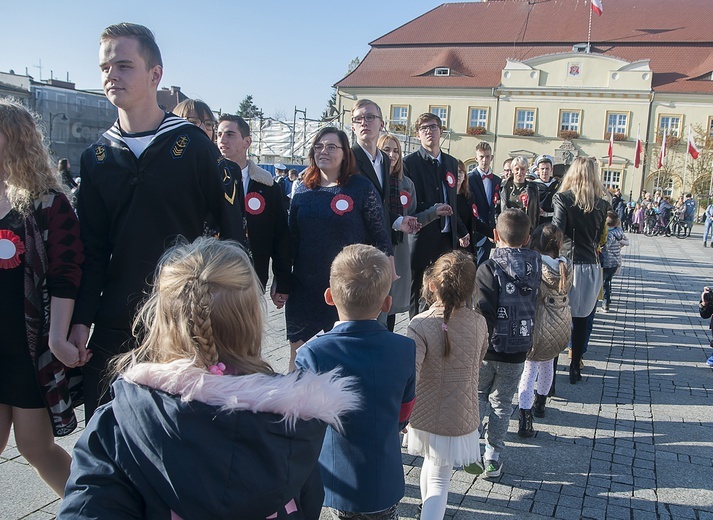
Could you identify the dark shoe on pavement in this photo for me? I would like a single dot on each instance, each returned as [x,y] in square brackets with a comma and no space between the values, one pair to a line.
[525,429]
[539,409]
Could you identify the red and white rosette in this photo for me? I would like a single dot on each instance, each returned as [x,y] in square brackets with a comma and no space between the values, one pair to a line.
[11,247]
[254,203]
[524,199]
[342,204]
[474,208]
[451,179]
[496,197]
[405,199]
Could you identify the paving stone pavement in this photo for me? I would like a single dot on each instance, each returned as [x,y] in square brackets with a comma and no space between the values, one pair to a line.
[633,440]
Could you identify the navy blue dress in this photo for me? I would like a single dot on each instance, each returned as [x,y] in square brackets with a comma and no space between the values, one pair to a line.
[322,222]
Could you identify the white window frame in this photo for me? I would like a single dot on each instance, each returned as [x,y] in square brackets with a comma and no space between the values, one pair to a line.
[478,121]
[612,178]
[570,125]
[526,123]
[440,108]
[619,125]
[666,123]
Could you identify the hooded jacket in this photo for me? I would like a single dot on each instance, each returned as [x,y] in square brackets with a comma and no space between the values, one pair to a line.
[553,323]
[523,268]
[178,442]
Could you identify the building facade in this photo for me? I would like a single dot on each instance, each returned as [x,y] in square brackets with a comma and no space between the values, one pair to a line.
[521,76]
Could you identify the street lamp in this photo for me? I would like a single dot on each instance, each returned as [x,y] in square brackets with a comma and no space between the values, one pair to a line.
[52,116]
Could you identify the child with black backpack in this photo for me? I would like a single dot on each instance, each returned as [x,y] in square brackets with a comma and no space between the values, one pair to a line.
[508,285]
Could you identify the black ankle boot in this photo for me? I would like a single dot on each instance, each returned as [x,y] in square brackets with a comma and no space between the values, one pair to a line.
[539,409]
[525,429]
[573,375]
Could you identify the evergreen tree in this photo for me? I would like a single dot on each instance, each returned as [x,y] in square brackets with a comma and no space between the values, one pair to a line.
[248,109]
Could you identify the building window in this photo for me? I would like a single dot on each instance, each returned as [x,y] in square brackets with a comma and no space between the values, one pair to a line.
[81,101]
[442,71]
[617,122]
[570,120]
[442,112]
[399,119]
[525,121]
[611,179]
[478,118]
[671,125]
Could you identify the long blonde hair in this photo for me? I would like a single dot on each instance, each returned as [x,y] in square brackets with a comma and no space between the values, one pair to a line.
[29,173]
[206,305]
[398,166]
[582,179]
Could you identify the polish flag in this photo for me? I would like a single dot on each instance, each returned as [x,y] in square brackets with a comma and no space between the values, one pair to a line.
[662,153]
[611,145]
[692,148]
[597,6]
[639,149]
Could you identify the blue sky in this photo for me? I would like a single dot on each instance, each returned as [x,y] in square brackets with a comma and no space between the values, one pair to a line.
[284,53]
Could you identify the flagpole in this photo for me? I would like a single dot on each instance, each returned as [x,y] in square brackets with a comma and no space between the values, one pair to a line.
[685,162]
[589,31]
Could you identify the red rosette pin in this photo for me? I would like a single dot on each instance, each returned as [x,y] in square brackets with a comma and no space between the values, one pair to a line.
[11,247]
[475,210]
[254,203]
[524,199]
[405,199]
[496,198]
[451,179]
[342,204]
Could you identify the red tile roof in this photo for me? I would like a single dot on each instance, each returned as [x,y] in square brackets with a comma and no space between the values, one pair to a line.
[479,37]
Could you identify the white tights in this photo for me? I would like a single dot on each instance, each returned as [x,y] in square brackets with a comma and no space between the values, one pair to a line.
[537,374]
[435,481]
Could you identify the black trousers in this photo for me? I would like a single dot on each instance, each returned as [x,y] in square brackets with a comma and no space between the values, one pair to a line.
[105,344]
[445,245]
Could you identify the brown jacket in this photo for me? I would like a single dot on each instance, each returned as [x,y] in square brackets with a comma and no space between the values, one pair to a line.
[447,388]
[553,321]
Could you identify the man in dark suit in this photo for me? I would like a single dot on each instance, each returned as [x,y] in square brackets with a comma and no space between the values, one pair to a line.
[261,201]
[374,164]
[434,175]
[485,189]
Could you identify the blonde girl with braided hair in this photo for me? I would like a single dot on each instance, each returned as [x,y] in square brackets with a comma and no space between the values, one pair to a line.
[451,341]
[200,425]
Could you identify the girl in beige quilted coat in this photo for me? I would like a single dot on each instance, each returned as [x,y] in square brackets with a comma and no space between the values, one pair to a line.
[451,341]
[552,326]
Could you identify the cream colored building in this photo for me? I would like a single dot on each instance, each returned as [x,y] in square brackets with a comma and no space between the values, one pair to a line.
[550,97]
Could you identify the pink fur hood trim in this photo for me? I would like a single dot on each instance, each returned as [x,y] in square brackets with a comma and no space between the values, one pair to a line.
[297,395]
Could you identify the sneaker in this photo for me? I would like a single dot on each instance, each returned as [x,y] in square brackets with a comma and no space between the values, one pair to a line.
[605,307]
[493,468]
[710,361]
[476,468]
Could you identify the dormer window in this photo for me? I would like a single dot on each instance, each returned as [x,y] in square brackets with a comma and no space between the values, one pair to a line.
[442,71]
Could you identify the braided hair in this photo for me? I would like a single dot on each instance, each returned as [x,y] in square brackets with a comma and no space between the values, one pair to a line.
[206,305]
[450,281]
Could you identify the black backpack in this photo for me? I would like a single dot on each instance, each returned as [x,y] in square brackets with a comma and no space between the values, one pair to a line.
[517,306]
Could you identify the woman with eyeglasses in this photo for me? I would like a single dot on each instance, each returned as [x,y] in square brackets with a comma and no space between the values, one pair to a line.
[331,209]
[198,113]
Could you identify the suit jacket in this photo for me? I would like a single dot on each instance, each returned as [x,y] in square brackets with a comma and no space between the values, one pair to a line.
[485,207]
[266,225]
[428,180]
[361,467]
[366,168]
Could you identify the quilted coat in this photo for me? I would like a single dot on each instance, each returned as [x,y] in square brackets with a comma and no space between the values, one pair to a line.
[447,388]
[553,322]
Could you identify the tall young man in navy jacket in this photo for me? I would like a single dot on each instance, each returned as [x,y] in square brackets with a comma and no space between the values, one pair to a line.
[149,179]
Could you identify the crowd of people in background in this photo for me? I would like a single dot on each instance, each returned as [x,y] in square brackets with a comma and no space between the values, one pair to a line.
[154,289]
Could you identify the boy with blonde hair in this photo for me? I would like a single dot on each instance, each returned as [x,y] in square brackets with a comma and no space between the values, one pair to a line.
[361,467]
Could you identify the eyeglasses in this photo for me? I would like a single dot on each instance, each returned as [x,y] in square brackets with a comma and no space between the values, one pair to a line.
[429,128]
[329,148]
[369,118]
[208,123]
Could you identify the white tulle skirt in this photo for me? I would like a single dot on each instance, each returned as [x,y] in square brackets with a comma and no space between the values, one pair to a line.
[443,449]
